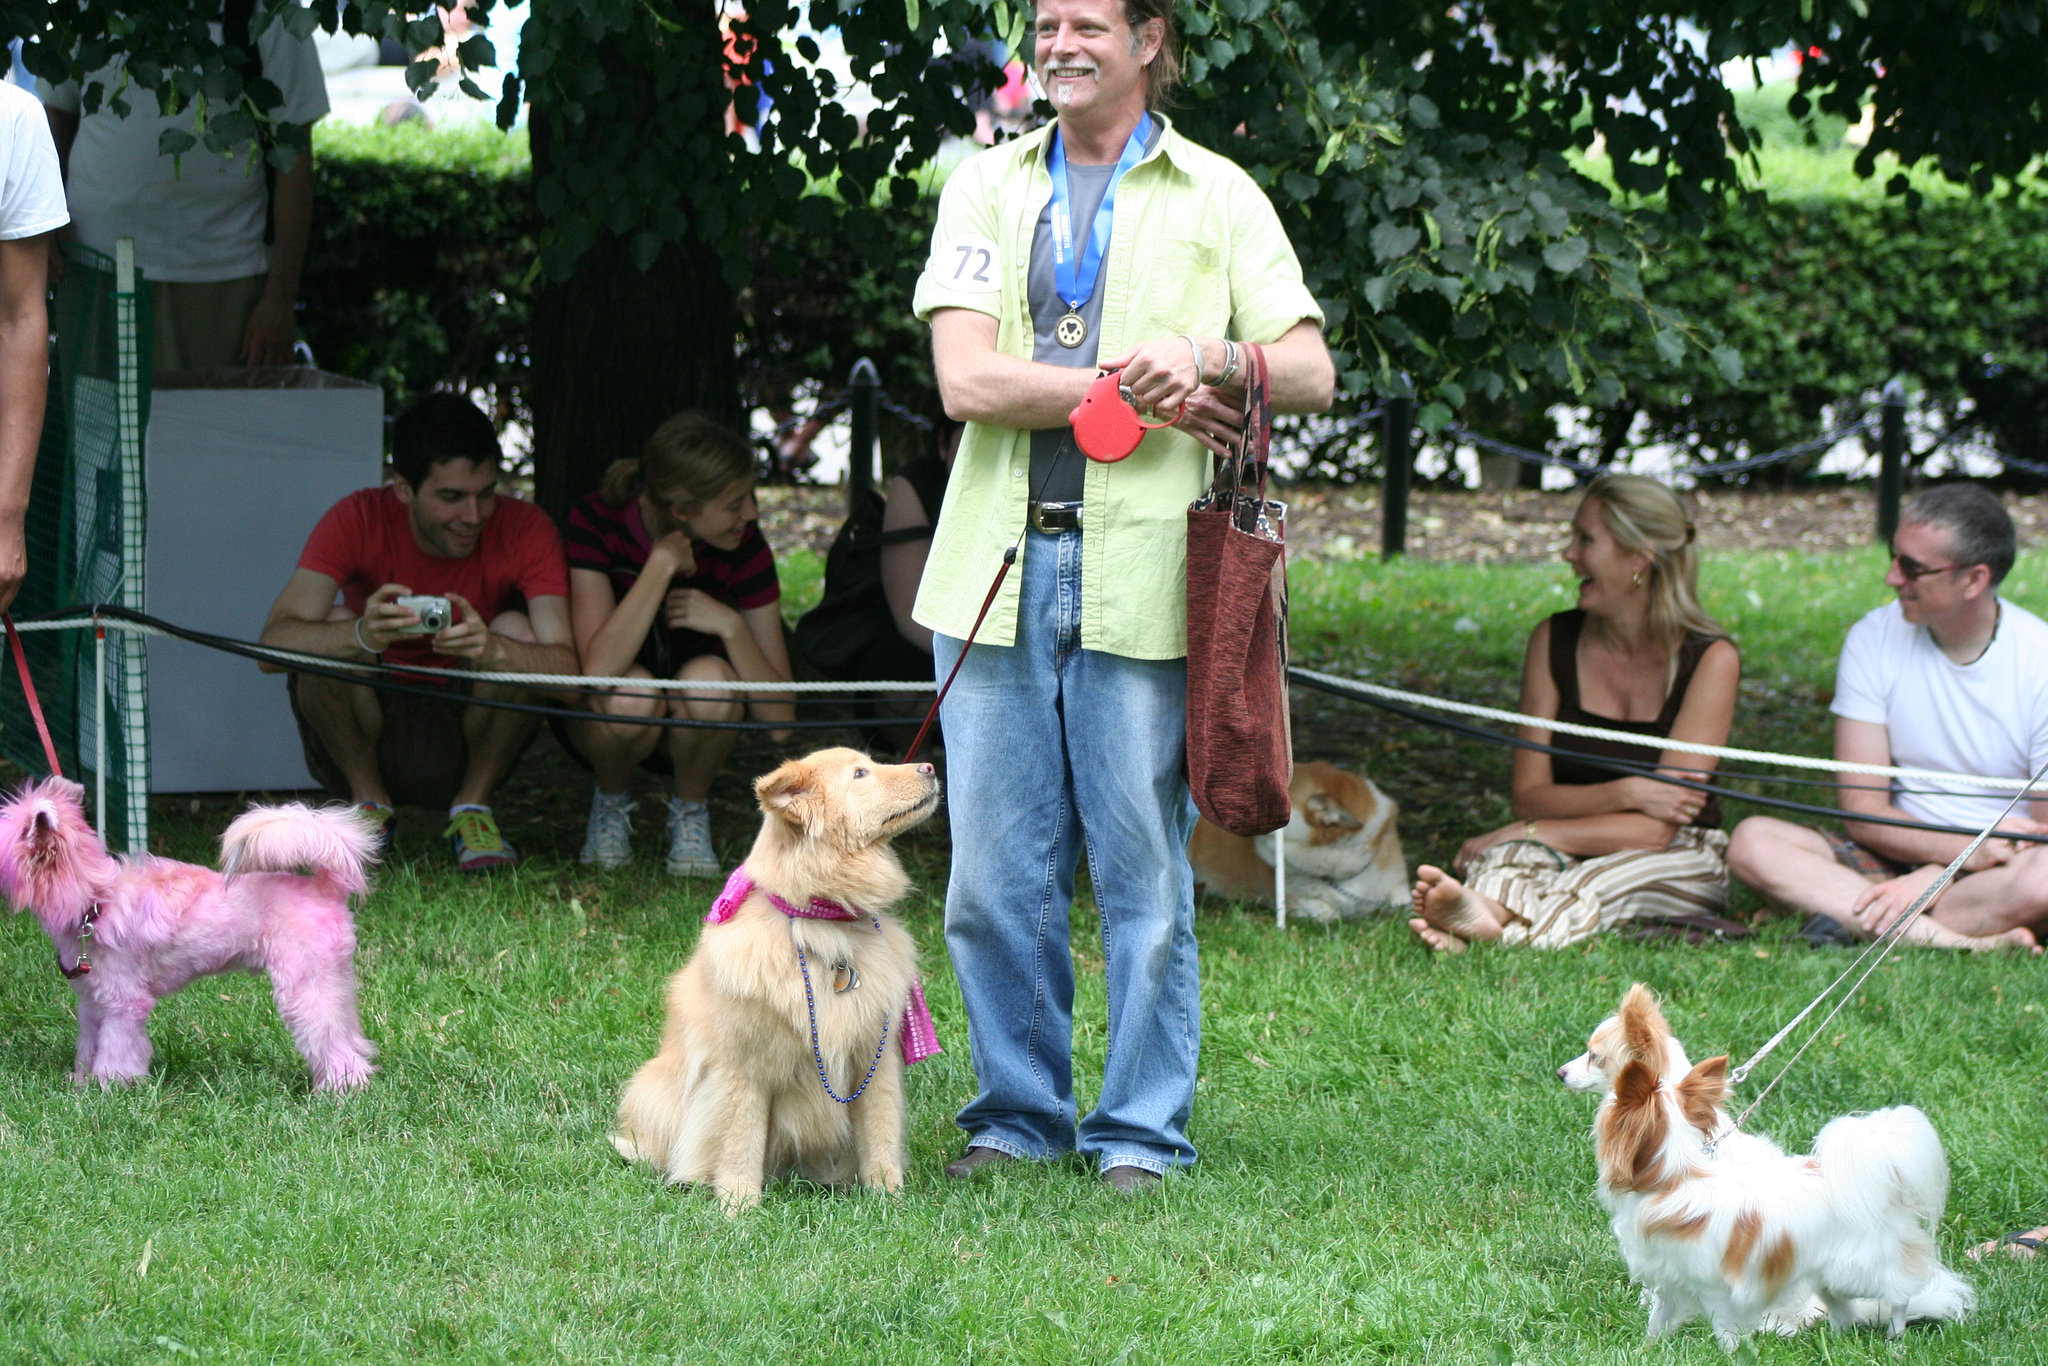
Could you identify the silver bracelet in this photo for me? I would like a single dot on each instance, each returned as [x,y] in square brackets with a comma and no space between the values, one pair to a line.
[1229,363]
[362,644]
[1195,347]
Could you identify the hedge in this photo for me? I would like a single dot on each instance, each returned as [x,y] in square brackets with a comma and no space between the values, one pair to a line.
[423,248]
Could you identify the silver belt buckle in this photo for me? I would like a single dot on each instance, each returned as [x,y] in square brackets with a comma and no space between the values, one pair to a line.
[1053,518]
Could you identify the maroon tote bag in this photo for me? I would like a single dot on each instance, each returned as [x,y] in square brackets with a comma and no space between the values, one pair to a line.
[1240,742]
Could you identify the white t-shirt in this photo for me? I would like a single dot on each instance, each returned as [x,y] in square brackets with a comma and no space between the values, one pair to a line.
[31,187]
[197,217]
[1988,717]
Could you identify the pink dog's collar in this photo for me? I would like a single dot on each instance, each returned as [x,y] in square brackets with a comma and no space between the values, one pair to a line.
[84,965]
[919,1035]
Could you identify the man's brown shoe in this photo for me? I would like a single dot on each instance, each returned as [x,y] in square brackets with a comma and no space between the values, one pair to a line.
[1126,1179]
[974,1159]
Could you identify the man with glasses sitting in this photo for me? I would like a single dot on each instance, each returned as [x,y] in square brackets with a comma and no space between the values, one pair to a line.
[1948,676]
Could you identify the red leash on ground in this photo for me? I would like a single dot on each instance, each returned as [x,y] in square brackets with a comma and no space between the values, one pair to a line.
[28,690]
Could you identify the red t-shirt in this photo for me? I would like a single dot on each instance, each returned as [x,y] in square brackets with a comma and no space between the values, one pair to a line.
[365,541]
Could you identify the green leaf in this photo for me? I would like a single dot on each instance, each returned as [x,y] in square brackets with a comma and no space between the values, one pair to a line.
[1729,362]
[1422,111]
[911,15]
[1390,240]
[1567,256]
[172,141]
[1670,345]
[1378,290]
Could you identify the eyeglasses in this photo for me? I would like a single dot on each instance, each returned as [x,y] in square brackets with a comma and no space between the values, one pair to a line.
[1911,570]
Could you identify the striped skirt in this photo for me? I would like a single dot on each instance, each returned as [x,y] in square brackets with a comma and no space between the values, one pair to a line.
[1553,899]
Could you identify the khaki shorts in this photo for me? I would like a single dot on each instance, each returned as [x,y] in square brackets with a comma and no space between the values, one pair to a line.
[421,752]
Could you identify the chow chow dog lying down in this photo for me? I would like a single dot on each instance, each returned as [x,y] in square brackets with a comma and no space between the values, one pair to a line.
[1344,855]
[789,1028]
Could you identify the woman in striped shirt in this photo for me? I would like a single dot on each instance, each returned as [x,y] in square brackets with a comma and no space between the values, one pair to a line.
[669,577]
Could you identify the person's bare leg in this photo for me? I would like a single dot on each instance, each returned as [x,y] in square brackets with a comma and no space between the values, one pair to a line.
[348,720]
[615,751]
[1993,903]
[495,738]
[1448,912]
[699,755]
[1931,933]
[1793,867]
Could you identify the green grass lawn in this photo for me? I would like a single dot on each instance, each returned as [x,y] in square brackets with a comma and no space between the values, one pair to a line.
[1390,1170]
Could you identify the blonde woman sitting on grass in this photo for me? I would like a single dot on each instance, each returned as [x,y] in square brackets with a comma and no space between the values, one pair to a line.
[1590,847]
[669,577]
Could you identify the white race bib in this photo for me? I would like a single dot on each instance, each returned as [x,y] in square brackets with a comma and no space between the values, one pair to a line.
[967,265]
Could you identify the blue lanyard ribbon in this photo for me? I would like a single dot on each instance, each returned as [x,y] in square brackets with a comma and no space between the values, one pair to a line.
[1068,274]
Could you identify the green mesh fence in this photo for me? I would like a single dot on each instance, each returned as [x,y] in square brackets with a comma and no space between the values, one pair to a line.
[86,525]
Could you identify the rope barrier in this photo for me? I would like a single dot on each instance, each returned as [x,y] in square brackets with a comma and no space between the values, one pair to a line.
[142,625]
[371,676]
[1966,780]
[1713,786]
[1713,470]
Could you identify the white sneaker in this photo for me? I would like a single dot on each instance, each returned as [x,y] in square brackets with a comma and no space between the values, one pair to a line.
[689,840]
[608,835]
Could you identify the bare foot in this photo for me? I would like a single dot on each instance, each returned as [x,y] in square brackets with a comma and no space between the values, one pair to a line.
[1445,903]
[1934,935]
[2018,1246]
[1430,937]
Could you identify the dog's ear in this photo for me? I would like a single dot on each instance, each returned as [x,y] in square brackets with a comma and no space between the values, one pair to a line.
[1701,1092]
[1642,1024]
[1629,1135]
[790,792]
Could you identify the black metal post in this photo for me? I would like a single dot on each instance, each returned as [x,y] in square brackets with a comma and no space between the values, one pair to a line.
[860,450]
[1891,473]
[1398,443]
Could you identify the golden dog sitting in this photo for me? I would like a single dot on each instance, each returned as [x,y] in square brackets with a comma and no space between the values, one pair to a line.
[789,1028]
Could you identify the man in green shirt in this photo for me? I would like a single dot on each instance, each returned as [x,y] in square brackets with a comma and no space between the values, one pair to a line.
[1105,239]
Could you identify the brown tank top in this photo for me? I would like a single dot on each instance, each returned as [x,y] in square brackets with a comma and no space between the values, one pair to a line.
[1564,671]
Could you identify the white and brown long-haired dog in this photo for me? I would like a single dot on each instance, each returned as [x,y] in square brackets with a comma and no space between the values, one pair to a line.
[789,1028]
[130,931]
[1749,1236]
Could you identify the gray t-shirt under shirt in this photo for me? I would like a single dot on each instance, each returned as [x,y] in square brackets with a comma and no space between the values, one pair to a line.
[1057,465]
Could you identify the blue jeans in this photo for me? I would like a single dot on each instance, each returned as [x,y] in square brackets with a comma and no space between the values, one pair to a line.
[1052,750]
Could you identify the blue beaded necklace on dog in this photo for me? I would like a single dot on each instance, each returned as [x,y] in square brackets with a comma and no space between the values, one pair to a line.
[811,1005]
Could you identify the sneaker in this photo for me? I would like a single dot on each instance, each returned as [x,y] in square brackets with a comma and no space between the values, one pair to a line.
[473,834]
[384,821]
[689,840]
[608,835]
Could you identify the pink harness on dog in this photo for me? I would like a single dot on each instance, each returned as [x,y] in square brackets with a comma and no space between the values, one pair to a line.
[919,1035]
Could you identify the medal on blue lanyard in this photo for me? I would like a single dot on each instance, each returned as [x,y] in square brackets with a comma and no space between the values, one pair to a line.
[1075,278]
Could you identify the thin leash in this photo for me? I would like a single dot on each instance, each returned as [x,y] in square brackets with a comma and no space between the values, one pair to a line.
[28,691]
[1876,952]
[35,710]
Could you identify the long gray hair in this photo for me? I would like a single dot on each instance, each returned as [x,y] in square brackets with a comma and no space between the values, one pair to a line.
[1644,517]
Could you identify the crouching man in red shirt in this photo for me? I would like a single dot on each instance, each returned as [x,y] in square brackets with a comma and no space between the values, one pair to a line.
[438,529]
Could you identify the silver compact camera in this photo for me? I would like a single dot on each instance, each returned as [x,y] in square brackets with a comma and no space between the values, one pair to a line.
[434,614]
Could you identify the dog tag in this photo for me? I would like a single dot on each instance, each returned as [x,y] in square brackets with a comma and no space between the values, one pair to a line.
[845,976]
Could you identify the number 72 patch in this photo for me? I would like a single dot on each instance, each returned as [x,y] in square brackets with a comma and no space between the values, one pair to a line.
[967,264]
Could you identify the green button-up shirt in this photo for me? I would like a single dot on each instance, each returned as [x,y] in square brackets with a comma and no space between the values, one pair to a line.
[1195,247]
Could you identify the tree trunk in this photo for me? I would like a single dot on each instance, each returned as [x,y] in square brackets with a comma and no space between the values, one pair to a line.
[616,350]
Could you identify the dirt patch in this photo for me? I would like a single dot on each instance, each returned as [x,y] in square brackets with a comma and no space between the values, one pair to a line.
[1486,526]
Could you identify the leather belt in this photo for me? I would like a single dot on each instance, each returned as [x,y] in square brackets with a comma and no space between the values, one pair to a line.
[1053,518]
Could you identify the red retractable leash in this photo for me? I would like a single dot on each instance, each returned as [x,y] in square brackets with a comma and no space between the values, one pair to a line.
[28,691]
[1106,428]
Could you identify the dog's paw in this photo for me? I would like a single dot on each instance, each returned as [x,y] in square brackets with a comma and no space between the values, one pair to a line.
[735,1201]
[343,1076]
[627,1149]
[887,1178]
[1314,909]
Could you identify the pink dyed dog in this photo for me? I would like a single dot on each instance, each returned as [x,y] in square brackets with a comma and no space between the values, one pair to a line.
[148,925]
